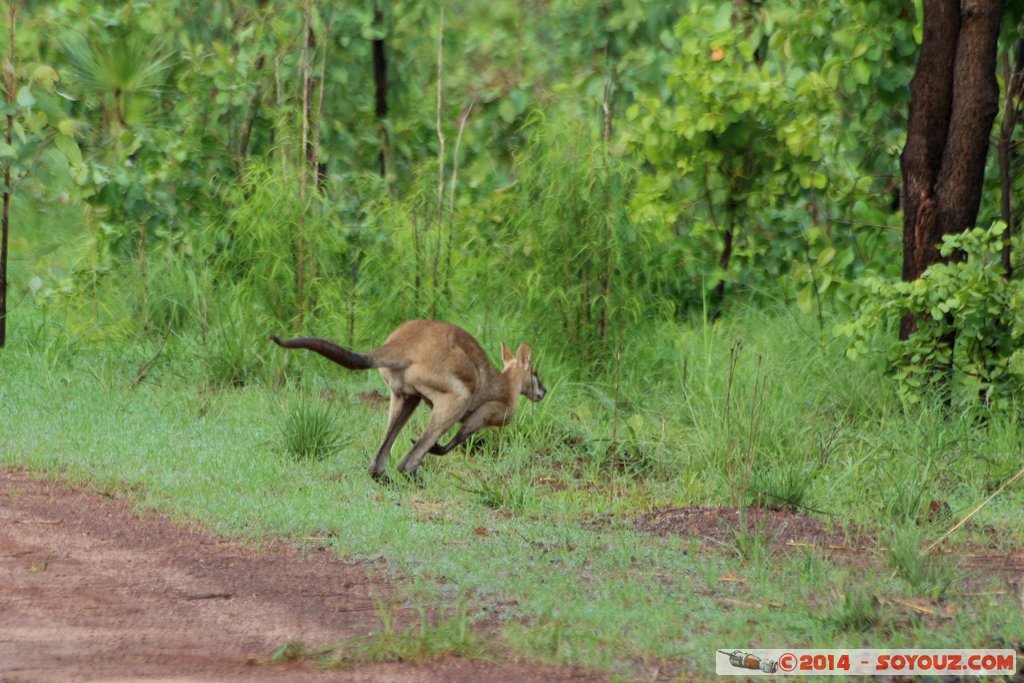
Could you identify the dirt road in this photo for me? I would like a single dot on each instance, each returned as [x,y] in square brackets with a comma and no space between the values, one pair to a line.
[90,590]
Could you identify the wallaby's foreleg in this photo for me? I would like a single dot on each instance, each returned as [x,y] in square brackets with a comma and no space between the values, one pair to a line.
[398,414]
[445,415]
[488,415]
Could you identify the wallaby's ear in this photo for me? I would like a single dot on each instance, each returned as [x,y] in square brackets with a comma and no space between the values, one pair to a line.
[506,355]
[523,354]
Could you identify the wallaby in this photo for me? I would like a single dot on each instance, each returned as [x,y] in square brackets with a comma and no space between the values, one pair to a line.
[445,366]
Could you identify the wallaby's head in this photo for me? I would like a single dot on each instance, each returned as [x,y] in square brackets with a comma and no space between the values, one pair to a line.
[530,385]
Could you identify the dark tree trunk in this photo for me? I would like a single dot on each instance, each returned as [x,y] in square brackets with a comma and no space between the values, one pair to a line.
[308,84]
[975,105]
[931,99]
[5,220]
[245,134]
[732,206]
[954,98]
[380,79]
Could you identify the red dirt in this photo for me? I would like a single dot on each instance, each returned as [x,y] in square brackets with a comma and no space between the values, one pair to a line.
[90,590]
[785,528]
[721,524]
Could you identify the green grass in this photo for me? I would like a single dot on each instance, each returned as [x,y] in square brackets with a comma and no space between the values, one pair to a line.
[554,502]
[928,574]
[423,640]
[310,428]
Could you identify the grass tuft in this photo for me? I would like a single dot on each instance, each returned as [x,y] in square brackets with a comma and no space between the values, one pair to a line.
[783,485]
[753,544]
[289,652]
[310,430]
[858,611]
[421,641]
[906,494]
[928,574]
[511,493]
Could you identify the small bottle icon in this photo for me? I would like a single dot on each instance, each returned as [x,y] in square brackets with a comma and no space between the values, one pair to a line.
[745,660]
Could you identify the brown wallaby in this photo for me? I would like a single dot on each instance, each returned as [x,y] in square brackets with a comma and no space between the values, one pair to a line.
[445,366]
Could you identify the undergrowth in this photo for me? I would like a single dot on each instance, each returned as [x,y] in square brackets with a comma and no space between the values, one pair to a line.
[540,517]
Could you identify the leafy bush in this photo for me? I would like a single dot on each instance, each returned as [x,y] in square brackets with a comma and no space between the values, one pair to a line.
[970,324]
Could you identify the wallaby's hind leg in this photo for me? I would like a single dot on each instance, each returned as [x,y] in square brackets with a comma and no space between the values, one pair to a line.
[487,415]
[398,414]
[457,440]
[441,420]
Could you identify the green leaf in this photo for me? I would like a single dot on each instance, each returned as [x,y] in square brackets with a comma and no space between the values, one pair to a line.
[45,75]
[25,97]
[723,18]
[805,299]
[69,148]
[507,111]
[6,151]
[861,73]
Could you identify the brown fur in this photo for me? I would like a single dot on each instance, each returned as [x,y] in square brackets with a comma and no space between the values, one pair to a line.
[437,362]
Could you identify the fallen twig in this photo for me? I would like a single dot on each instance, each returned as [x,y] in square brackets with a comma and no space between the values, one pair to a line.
[828,546]
[730,602]
[210,596]
[973,512]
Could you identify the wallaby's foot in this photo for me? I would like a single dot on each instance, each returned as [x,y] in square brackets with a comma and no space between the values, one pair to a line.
[414,477]
[436,449]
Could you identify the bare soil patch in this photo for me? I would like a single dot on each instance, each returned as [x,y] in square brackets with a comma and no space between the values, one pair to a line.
[790,529]
[91,590]
[782,527]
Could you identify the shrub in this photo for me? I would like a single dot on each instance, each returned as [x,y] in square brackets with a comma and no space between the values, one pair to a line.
[970,324]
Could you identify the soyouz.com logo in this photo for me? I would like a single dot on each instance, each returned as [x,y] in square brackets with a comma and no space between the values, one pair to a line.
[865,662]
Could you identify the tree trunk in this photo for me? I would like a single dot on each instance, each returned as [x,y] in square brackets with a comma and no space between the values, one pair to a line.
[245,133]
[1013,81]
[5,221]
[732,206]
[309,110]
[954,98]
[380,79]
[304,147]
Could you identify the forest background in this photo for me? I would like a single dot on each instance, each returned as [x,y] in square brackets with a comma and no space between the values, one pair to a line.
[692,211]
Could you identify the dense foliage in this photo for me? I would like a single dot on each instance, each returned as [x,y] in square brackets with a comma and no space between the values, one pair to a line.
[581,168]
[970,300]
[691,210]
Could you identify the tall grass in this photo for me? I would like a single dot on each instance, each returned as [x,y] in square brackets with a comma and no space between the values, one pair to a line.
[539,520]
[581,264]
[646,410]
[310,428]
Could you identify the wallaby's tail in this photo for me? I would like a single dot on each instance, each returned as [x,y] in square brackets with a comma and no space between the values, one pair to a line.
[330,350]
